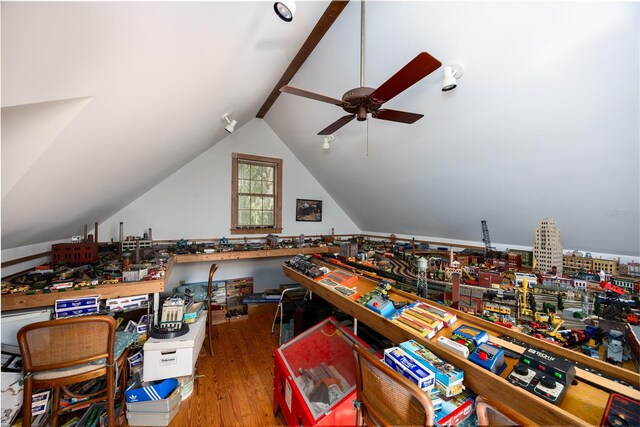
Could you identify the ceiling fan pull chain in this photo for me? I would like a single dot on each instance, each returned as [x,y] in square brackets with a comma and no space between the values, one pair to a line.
[367,138]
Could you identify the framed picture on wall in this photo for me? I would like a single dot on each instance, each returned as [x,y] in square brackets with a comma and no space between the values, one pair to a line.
[308,210]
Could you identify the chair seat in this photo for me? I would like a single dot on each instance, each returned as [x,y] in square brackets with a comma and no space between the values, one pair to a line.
[61,373]
[123,340]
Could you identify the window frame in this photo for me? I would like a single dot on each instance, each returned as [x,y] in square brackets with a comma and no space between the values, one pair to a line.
[237,158]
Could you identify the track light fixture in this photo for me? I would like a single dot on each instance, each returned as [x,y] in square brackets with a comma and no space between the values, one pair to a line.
[451,75]
[327,140]
[231,124]
[285,9]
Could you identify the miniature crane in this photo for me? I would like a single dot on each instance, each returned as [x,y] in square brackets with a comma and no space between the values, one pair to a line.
[555,334]
[524,311]
[485,238]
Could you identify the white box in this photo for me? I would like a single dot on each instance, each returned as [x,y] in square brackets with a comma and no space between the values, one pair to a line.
[151,418]
[174,357]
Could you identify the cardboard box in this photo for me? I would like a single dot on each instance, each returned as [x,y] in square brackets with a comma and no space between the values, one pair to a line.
[126,302]
[441,314]
[401,362]
[11,396]
[193,312]
[186,385]
[79,311]
[161,405]
[151,418]
[72,303]
[455,410]
[446,374]
[174,357]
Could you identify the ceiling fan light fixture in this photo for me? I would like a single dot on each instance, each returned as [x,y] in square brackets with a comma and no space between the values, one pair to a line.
[451,75]
[326,141]
[231,124]
[361,113]
[285,9]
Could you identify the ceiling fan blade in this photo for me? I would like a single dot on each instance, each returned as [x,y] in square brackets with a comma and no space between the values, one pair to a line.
[311,95]
[397,116]
[337,124]
[417,69]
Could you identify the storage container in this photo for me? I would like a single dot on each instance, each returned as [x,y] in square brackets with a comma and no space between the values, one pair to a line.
[174,357]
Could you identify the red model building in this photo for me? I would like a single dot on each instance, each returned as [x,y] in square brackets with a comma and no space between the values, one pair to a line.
[74,253]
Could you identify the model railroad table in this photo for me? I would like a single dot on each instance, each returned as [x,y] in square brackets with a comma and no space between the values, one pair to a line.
[36,299]
[21,300]
[263,253]
[583,404]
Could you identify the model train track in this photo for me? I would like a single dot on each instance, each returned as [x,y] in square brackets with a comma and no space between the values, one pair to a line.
[404,283]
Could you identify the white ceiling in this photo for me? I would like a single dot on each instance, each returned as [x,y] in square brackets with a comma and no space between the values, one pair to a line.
[544,123]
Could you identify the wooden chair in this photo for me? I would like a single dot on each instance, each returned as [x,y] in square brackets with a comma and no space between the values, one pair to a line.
[209,328]
[492,412]
[59,353]
[385,397]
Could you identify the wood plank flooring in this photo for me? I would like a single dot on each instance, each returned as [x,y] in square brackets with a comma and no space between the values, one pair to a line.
[237,384]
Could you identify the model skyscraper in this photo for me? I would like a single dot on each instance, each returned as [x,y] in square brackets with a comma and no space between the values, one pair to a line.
[547,249]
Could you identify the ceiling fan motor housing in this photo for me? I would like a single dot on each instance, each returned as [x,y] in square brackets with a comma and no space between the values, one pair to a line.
[358,102]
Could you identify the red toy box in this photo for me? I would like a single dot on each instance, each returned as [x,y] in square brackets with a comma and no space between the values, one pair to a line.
[314,378]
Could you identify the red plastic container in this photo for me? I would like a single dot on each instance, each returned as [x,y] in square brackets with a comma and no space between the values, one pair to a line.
[314,377]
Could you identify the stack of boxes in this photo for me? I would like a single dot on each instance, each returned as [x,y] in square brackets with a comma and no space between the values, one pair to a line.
[77,306]
[153,404]
[452,403]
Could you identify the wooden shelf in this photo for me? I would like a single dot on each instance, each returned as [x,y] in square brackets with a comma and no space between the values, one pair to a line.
[264,253]
[583,403]
[123,289]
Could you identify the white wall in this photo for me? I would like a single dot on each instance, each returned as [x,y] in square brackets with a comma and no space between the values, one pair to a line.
[24,251]
[502,246]
[195,202]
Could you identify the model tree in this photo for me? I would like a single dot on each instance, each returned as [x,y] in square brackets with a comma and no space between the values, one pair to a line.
[560,302]
[532,302]
[597,308]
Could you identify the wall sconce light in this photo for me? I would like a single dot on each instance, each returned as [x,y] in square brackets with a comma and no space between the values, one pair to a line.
[327,140]
[451,75]
[231,124]
[285,9]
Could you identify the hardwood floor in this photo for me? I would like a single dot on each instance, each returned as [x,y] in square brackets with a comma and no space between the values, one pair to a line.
[236,388]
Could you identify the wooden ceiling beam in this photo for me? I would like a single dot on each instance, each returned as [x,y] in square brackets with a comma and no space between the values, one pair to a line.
[325,22]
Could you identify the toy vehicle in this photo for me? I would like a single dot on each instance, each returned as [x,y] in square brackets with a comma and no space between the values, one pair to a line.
[541,317]
[590,351]
[536,326]
[614,347]
[632,318]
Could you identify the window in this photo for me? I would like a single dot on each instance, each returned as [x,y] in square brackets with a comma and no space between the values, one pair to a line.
[256,194]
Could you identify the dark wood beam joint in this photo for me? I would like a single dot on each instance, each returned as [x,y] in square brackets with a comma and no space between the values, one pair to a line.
[325,22]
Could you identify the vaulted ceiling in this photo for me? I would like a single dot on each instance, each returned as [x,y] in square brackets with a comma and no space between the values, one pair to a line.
[544,122]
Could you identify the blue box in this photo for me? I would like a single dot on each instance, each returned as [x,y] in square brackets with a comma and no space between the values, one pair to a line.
[489,357]
[401,362]
[383,307]
[65,304]
[151,391]
[80,311]
[446,374]
[478,336]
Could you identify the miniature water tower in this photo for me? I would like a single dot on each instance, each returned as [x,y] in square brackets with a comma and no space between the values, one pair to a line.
[422,277]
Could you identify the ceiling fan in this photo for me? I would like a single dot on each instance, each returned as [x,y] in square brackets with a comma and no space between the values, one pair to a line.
[361,101]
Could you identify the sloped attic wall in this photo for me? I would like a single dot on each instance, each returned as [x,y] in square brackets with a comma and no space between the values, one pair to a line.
[195,202]
[545,122]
